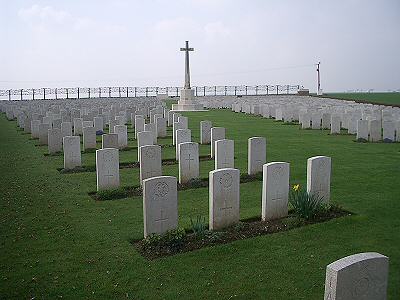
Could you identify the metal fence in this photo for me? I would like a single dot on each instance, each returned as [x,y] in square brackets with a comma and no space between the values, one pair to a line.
[119,92]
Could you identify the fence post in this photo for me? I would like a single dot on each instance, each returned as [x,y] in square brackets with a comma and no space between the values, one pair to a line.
[288,89]
[21,94]
[56,93]
[267,89]
[99,92]
[109,92]
[119,91]
[127,92]
[245,89]
[33,94]
[195,88]
[89,93]
[135,92]
[78,94]
[225,90]
[177,91]
[9,95]
[204,90]
[67,94]
[277,90]
[256,90]
[146,91]
[235,89]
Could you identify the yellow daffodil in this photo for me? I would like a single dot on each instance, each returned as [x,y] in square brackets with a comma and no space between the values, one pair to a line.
[296,187]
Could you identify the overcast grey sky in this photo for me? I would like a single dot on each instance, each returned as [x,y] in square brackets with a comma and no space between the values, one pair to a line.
[71,43]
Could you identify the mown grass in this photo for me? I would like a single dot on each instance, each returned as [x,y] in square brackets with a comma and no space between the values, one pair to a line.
[377,98]
[57,241]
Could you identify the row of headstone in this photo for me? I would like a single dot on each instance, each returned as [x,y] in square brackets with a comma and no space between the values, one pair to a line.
[160,196]
[318,113]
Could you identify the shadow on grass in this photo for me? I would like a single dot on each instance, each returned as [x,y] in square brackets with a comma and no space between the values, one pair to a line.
[181,240]
[122,165]
[133,191]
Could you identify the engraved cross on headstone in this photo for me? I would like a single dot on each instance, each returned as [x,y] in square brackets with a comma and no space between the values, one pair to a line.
[108,175]
[187,72]
[276,201]
[161,220]
[189,159]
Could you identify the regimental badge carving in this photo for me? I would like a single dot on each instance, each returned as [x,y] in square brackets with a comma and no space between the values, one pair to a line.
[150,153]
[161,189]
[226,181]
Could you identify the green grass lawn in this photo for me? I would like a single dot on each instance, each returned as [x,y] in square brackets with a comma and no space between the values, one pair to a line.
[378,98]
[56,241]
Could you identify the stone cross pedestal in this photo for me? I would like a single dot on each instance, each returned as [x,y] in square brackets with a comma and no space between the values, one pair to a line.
[186,102]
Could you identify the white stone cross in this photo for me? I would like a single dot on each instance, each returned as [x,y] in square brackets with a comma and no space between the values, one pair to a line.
[187,72]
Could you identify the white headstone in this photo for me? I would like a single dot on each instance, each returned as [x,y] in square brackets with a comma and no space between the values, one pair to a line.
[150,162]
[107,168]
[66,129]
[35,128]
[362,130]
[122,132]
[139,124]
[388,131]
[182,136]
[89,138]
[78,126]
[54,140]
[160,204]
[109,140]
[257,155]
[176,126]
[43,134]
[151,127]
[335,124]
[98,123]
[161,125]
[362,276]
[319,177]
[275,191]
[224,154]
[205,132]
[375,131]
[316,120]
[217,133]
[224,198]
[72,152]
[188,161]
[306,121]
[326,120]
[144,138]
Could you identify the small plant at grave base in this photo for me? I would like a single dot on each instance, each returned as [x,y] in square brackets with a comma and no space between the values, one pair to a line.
[112,194]
[199,225]
[361,140]
[172,239]
[305,205]
[239,226]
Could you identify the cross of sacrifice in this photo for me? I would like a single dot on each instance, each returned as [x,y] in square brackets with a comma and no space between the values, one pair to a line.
[187,72]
